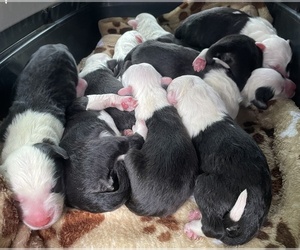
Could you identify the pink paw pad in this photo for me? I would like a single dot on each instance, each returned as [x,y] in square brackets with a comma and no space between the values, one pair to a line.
[128,103]
[199,64]
[194,215]
[190,234]
[127,132]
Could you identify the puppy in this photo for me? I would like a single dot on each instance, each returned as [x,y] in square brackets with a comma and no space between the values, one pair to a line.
[147,25]
[162,172]
[95,181]
[101,80]
[264,85]
[32,161]
[170,60]
[203,29]
[239,52]
[233,190]
[126,43]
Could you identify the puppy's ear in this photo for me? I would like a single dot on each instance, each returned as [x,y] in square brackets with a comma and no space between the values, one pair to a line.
[261,46]
[52,150]
[262,96]
[133,23]
[171,96]
[237,210]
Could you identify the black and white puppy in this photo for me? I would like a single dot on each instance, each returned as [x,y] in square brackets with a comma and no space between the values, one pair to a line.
[203,29]
[264,85]
[101,80]
[163,171]
[233,190]
[95,180]
[32,161]
[169,60]
[239,52]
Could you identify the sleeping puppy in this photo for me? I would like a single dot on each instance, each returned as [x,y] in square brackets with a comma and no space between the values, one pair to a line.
[95,181]
[147,25]
[239,52]
[203,29]
[170,60]
[264,85]
[101,80]
[162,172]
[32,161]
[126,43]
[233,190]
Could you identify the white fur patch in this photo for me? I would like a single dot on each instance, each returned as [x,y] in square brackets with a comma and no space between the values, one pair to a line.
[146,87]
[31,127]
[126,43]
[198,104]
[148,26]
[291,130]
[226,88]
[259,29]
[94,62]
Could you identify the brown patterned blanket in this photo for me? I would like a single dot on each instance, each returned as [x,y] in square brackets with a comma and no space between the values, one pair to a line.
[276,130]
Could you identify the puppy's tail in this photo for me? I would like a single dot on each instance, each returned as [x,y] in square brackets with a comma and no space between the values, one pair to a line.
[111,200]
[233,222]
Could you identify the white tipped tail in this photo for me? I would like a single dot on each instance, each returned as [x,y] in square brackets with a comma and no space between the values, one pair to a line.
[239,206]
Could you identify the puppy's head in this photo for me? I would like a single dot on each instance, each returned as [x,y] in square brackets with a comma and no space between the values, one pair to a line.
[34,173]
[240,53]
[277,54]
[264,85]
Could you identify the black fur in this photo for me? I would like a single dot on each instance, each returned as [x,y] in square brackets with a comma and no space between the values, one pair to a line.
[240,53]
[95,181]
[162,173]
[204,28]
[46,84]
[102,81]
[231,162]
[262,96]
[168,59]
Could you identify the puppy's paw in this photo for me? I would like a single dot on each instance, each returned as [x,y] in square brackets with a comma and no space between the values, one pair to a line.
[191,234]
[195,215]
[193,229]
[127,103]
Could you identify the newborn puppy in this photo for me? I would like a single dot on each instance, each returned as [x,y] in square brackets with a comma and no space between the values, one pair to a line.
[239,52]
[264,85]
[162,172]
[170,60]
[95,180]
[32,161]
[233,190]
[203,29]
[126,43]
[147,25]
[101,80]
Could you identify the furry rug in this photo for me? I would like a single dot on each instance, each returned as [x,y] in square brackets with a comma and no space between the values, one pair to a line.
[276,130]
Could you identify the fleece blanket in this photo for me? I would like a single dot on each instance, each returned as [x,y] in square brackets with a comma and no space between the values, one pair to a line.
[276,130]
